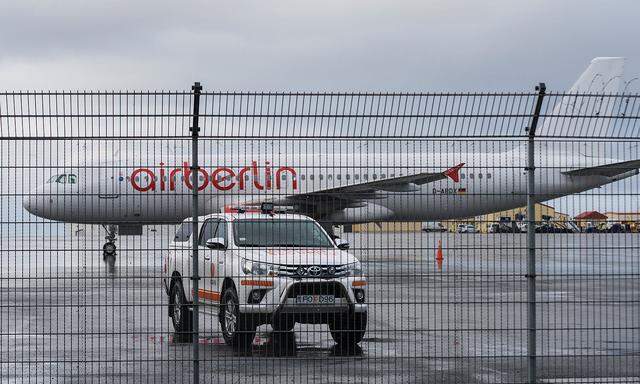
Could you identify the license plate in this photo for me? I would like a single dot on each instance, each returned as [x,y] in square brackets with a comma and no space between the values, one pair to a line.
[315,299]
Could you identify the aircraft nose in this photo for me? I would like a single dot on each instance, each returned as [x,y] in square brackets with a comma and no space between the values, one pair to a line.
[29,203]
[34,202]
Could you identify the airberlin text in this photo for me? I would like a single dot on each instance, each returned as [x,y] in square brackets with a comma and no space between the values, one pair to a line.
[220,178]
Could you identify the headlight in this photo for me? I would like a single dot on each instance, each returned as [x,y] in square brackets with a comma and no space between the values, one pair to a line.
[255,268]
[354,269]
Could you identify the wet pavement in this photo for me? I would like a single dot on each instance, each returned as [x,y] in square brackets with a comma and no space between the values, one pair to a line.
[66,319]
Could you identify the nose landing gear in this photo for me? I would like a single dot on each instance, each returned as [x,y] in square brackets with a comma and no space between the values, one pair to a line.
[109,247]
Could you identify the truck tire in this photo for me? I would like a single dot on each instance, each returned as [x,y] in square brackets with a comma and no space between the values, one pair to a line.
[238,330]
[348,329]
[181,314]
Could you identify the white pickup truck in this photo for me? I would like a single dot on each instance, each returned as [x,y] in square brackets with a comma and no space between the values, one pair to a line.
[265,268]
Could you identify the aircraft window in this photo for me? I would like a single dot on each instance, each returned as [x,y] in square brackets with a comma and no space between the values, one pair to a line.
[72,179]
[392,175]
[348,176]
[339,177]
[383,176]
[375,176]
[488,175]
[356,176]
[471,175]
[463,176]
[329,176]
[365,176]
[284,176]
[184,232]
[62,179]
[479,175]
[302,177]
[321,176]
[311,177]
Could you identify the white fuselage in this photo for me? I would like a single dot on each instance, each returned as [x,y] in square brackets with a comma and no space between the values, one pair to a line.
[154,191]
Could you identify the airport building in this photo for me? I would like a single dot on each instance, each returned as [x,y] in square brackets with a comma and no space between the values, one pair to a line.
[632,219]
[590,218]
[386,227]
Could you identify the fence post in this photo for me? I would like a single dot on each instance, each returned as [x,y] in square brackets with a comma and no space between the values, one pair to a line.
[531,239]
[195,275]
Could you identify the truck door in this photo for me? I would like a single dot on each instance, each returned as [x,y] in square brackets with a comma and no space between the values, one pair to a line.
[211,261]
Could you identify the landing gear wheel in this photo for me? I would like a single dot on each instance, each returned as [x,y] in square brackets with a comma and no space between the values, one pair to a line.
[238,330]
[109,249]
[181,315]
[110,260]
[348,329]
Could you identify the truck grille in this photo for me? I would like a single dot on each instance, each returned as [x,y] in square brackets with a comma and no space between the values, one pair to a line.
[325,288]
[313,271]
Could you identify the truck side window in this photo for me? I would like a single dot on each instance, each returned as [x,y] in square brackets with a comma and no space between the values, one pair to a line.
[222,230]
[208,231]
[184,232]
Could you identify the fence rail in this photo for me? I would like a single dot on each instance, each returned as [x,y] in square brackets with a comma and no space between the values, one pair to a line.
[433,191]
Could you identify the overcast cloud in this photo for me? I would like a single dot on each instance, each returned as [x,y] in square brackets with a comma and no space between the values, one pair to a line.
[304,45]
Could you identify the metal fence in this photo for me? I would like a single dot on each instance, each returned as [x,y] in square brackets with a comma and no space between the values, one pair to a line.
[495,237]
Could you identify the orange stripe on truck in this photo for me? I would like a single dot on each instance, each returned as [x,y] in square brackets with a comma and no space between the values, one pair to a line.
[209,295]
[257,283]
[359,283]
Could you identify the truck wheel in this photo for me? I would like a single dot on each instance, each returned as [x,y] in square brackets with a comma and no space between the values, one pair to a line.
[180,313]
[238,330]
[348,329]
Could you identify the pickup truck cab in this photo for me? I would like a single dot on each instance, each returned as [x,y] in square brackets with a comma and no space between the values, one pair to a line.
[265,268]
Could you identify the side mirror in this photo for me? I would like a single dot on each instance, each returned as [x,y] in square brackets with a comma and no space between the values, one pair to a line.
[342,244]
[216,243]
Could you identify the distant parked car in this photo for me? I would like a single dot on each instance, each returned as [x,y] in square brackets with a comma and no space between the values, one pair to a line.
[616,228]
[462,228]
[504,227]
[591,228]
[471,228]
[433,226]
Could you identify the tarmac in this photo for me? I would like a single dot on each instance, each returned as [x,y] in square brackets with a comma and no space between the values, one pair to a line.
[65,318]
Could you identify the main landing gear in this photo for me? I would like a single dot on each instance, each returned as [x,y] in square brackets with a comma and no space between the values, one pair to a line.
[109,247]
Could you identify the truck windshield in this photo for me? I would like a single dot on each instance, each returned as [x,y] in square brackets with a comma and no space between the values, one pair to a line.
[279,233]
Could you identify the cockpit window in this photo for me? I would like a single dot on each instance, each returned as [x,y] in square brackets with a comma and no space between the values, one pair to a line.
[63,179]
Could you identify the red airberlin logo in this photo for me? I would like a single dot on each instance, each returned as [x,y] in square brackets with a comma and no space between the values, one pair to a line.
[221,178]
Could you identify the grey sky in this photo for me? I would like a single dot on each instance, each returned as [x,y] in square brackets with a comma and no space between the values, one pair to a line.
[332,45]
[304,45]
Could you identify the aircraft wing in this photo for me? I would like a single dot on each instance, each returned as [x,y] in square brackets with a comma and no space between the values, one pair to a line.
[608,170]
[352,195]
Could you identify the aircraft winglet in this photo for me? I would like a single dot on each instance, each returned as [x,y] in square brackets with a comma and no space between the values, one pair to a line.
[454,172]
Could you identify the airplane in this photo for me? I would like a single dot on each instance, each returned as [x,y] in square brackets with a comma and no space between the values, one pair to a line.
[353,188]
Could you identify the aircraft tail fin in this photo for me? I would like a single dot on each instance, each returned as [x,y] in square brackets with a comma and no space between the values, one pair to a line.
[603,75]
[578,111]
